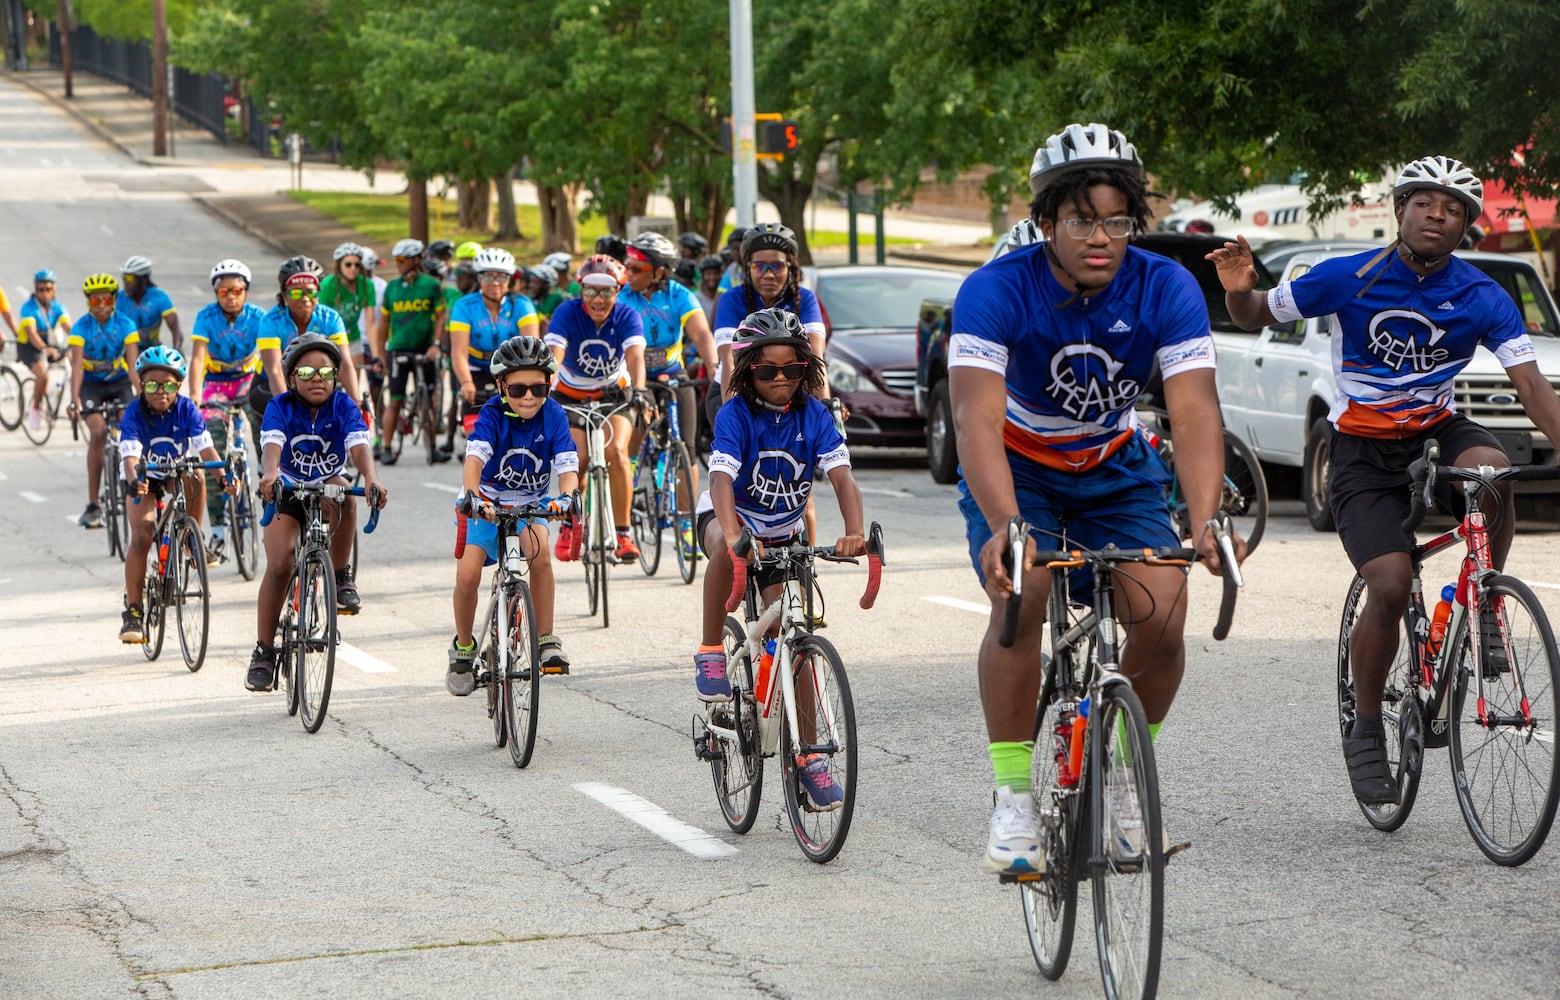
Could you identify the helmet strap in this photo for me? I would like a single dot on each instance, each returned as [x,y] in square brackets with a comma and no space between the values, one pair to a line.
[1050,253]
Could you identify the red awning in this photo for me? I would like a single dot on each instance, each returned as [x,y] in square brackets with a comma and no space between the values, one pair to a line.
[1508,221]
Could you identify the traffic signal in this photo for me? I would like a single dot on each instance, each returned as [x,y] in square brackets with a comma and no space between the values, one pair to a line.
[778,137]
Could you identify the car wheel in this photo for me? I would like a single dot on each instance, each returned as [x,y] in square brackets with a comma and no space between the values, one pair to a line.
[942,452]
[1313,478]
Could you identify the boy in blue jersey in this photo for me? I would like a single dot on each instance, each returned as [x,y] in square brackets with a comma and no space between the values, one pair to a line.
[770,438]
[307,435]
[161,425]
[103,345]
[519,441]
[481,321]
[1052,344]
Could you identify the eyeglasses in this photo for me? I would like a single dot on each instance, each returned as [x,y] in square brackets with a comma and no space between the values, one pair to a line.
[493,278]
[769,267]
[101,298]
[232,293]
[351,263]
[308,373]
[1116,227]
[597,293]
[793,372]
[519,390]
[303,293]
[171,386]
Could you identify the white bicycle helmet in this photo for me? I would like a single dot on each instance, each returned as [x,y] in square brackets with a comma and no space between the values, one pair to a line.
[559,261]
[137,265]
[230,268]
[1080,146]
[408,248]
[347,250]
[495,259]
[1441,173]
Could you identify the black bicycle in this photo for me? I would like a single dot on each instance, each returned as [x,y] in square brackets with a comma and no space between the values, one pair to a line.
[111,488]
[176,568]
[663,486]
[598,549]
[420,411]
[1244,496]
[239,507]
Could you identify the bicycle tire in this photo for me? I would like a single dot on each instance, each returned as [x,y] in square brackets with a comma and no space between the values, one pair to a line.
[738,776]
[112,501]
[488,656]
[1050,902]
[590,552]
[39,435]
[190,591]
[287,649]
[682,475]
[1128,928]
[316,639]
[821,835]
[1501,757]
[54,395]
[154,617]
[13,404]
[1401,715]
[523,679]
[244,527]
[1245,496]
[645,510]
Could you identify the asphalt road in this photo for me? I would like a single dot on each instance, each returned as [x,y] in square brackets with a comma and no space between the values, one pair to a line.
[167,834]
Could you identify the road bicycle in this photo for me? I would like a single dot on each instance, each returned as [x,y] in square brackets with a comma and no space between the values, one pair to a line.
[789,696]
[306,650]
[598,550]
[111,488]
[176,567]
[1095,780]
[239,506]
[58,374]
[1245,495]
[663,486]
[509,654]
[1485,688]
[420,411]
[13,404]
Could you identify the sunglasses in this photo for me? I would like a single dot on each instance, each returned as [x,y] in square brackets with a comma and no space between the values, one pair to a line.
[308,373]
[793,372]
[414,257]
[350,263]
[639,268]
[769,267]
[102,298]
[232,293]
[303,293]
[171,386]
[597,293]
[520,391]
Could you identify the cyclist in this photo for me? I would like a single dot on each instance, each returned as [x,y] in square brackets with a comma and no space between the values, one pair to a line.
[161,425]
[36,346]
[147,305]
[298,310]
[1051,346]
[708,290]
[308,435]
[561,263]
[520,440]
[442,251]
[612,245]
[443,268]
[226,357]
[542,287]
[411,327]
[1409,319]
[467,251]
[731,256]
[770,439]
[103,345]
[349,291]
[686,273]
[691,246]
[479,323]
[599,344]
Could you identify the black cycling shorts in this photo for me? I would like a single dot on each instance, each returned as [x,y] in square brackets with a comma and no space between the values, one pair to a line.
[401,371]
[765,577]
[95,394]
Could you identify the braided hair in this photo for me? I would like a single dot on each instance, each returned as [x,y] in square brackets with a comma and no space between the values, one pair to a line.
[742,383]
[790,296]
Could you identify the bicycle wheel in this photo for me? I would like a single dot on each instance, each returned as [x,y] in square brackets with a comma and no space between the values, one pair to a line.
[152,591]
[243,525]
[316,644]
[1401,714]
[1129,884]
[680,483]
[111,499]
[13,402]
[590,550]
[37,435]
[190,592]
[824,706]
[1050,902]
[738,774]
[429,416]
[644,513]
[287,649]
[487,655]
[522,681]
[1245,497]
[1503,727]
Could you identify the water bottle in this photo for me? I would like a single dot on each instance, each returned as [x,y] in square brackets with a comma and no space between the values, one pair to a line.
[766,669]
[1075,751]
[1438,619]
[1061,743]
[162,553]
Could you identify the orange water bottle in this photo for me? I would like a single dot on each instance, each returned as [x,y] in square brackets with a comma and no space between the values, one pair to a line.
[162,552]
[1080,723]
[1438,619]
[766,670]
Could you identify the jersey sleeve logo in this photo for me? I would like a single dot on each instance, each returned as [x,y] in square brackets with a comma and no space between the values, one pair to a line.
[1403,338]
[777,481]
[1086,382]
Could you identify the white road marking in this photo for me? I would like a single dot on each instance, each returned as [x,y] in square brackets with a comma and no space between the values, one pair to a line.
[72,520]
[1546,586]
[104,227]
[366,662]
[901,494]
[34,497]
[962,605]
[657,820]
[443,487]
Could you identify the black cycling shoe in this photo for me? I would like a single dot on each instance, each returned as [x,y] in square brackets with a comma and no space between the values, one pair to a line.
[389,458]
[262,669]
[439,457]
[347,600]
[1369,775]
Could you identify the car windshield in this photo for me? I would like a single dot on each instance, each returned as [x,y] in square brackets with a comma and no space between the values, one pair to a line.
[1522,283]
[878,299]
[1192,256]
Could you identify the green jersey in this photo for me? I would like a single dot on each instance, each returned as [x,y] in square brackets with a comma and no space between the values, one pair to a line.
[549,302]
[412,309]
[334,293]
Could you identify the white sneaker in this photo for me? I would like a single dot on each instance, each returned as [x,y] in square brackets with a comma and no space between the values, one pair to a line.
[1126,819]
[34,419]
[1014,845]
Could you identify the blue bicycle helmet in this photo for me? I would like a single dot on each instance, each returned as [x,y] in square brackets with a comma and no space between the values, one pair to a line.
[158,356]
[44,275]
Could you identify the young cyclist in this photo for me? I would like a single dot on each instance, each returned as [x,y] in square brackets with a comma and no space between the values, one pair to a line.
[411,327]
[103,346]
[479,323]
[520,440]
[160,425]
[464,274]
[147,305]
[350,292]
[36,344]
[308,434]
[1051,347]
[1410,317]
[600,346]
[770,438]
[298,310]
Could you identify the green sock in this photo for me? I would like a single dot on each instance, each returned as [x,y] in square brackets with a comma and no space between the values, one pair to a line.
[1153,731]
[1011,763]
[1121,737]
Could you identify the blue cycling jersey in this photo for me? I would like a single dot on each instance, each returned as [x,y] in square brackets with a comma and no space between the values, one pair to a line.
[516,316]
[147,315]
[593,357]
[162,436]
[232,345]
[770,458]
[278,328]
[664,315]
[735,306]
[35,319]
[519,457]
[103,346]
[315,443]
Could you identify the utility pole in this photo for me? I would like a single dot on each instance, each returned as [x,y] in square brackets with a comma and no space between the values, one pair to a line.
[159,77]
[62,24]
[744,144]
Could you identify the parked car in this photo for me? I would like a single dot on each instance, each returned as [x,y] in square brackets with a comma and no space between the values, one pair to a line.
[1277,254]
[871,314]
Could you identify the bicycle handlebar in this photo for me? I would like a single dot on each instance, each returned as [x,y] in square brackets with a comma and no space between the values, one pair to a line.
[283,485]
[177,467]
[1422,473]
[743,548]
[546,509]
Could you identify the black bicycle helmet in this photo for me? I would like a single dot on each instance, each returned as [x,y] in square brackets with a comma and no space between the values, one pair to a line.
[768,236]
[736,236]
[686,272]
[613,246]
[711,264]
[522,352]
[442,249]
[435,267]
[693,243]
[771,326]
[299,265]
[303,344]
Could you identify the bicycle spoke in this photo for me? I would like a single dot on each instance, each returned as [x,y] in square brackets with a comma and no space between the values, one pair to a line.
[1127,855]
[826,719]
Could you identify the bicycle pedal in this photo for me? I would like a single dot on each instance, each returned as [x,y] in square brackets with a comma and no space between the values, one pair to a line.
[345,612]
[559,669]
[1010,879]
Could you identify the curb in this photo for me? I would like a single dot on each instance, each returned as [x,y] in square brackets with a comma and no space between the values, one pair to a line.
[241,224]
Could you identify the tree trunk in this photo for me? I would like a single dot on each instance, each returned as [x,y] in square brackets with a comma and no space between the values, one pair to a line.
[617,218]
[559,231]
[508,221]
[417,215]
[475,206]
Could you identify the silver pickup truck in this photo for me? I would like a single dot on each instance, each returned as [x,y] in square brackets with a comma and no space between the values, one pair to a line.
[1276,384]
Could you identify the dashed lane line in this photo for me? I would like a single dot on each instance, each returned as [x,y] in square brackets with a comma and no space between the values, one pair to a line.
[657,820]
[443,487]
[962,605]
[34,497]
[366,662]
